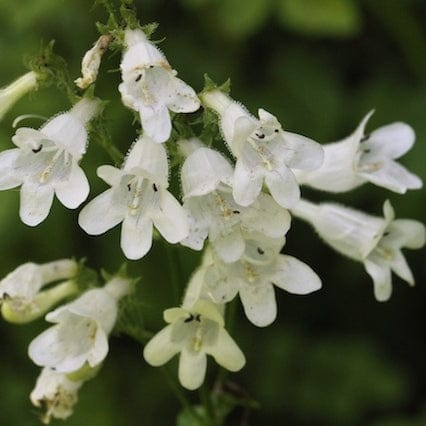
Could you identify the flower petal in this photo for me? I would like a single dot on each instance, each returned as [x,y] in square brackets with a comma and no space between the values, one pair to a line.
[399,265]
[192,368]
[100,214]
[381,275]
[72,192]
[302,153]
[283,186]
[203,171]
[393,176]
[247,184]
[226,352]
[170,219]
[156,121]
[294,276]
[405,233]
[109,174]
[36,201]
[9,177]
[228,245]
[136,236]
[391,141]
[182,97]
[259,303]
[161,348]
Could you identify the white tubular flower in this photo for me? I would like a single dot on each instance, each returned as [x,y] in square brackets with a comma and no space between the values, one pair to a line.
[92,61]
[254,281]
[20,296]
[56,393]
[10,94]
[374,241]
[46,163]
[362,158]
[139,199]
[80,333]
[264,152]
[195,333]
[206,178]
[150,86]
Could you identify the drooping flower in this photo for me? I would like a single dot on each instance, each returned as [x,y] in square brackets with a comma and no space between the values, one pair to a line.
[10,94]
[56,393]
[92,61]
[206,179]
[265,153]
[150,86]
[374,241]
[362,158]
[46,163]
[80,333]
[253,278]
[20,296]
[194,333]
[138,198]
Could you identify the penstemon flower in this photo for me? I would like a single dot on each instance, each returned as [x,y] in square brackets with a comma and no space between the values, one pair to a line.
[80,333]
[264,151]
[362,158]
[10,94]
[194,332]
[138,198]
[206,178]
[45,163]
[150,86]
[374,241]
[21,297]
[57,393]
[254,278]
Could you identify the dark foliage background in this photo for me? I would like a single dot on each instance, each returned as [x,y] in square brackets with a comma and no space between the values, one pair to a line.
[334,358]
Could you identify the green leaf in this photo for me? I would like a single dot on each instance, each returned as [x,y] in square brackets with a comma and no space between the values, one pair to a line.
[335,18]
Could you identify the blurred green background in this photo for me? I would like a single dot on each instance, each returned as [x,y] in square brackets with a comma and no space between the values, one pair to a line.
[335,358]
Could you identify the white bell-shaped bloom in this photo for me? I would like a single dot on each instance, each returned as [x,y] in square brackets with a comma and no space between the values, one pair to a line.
[46,163]
[56,393]
[80,333]
[10,94]
[138,199]
[254,281]
[265,153]
[150,86]
[206,178]
[20,296]
[362,158]
[374,241]
[194,333]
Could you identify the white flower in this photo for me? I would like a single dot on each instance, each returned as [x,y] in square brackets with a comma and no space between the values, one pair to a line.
[374,241]
[254,281]
[80,333]
[151,87]
[46,163]
[20,296]
[56,393]
[264,152]
[195,333]
[206,177]
[14,91]
[92,61]
[139,199]
[362,158]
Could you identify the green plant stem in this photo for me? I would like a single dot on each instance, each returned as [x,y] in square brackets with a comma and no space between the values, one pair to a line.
[206,401]
[180,395]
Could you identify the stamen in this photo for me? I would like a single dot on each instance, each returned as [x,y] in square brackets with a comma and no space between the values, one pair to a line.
[189,319]
[35,150]
[260,251]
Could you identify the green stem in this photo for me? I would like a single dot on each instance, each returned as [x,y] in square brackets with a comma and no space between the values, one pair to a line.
[180,395]
[206,401]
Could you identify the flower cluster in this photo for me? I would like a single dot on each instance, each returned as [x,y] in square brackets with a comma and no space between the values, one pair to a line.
[237,209]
